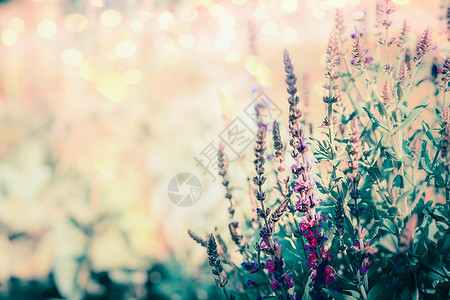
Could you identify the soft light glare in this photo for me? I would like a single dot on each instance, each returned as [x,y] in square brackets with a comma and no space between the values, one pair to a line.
[165,20]
[136,25]
[401,2]
[289,35]
[72,57]
[227,21]
[216,10]
[9,37]
[125,49]
[269,28]
[238,2]
[188,14]
[186,41]
[111,18]
[46,28]
[75,23]
[97,3]
[259,14]
[17,24]
[338,3]
[319,14]
[132,76]
[289,6]
[233,56]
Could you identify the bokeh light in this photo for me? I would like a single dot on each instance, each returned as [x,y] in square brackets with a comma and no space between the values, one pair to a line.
[9,37]
[75,23]
[47,28]
[126,49]
[111,18]
[72,57]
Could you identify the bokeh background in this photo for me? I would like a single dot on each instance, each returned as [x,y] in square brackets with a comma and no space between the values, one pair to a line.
[102,102]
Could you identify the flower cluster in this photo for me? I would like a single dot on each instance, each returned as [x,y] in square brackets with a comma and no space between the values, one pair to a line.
[360,55]
[423,45]
[308,199]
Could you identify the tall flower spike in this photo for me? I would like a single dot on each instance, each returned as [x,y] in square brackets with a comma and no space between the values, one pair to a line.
[282,178]
[408,231]
[223,172]
[423,45]
[213,255]
[197,238]
[403,38]
[446,73]
[278,213]
[403,73]
[259,179]
[355,152]
[339,216]
[387,92]
[295,129]
[235,236]
[339,22]
[360,54]
[332,57]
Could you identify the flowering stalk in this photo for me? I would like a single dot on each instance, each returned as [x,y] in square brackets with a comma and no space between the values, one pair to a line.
[266,232]
[355,154]
[282,178]
[332,74]
[214,262]
[306,191]
[387,9]
[197,238]
[223,172]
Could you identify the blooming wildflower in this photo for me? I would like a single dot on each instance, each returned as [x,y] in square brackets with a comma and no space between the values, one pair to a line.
[403,39]
[197,238]
[403,73]
[214,261]
[332,57]
[357,33]
[423,45]
[235,236]
[387,92]
[339,22]
[446,73]
[361,56]
[408,231]
[223,172]
[250,267]
[339,216]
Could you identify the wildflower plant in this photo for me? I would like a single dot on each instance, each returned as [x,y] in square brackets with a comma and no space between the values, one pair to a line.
[363,211]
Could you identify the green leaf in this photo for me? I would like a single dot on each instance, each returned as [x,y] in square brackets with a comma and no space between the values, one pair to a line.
[338,296]
[399,91]
[389,242]
[413,115]
[428,132]
[375,120]
[389,225]
[399,181]
[375,173]
[376,292]
[306,295]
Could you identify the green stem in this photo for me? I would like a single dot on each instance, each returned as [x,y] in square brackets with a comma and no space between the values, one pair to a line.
[424,184]
[225,292]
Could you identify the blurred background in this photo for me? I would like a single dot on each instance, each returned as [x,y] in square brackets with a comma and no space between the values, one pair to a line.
[103,102]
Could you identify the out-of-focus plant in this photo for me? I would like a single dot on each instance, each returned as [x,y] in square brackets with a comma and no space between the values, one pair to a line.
[363,229]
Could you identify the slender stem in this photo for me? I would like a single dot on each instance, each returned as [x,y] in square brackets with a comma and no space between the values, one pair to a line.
[424,184]
[225,292]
